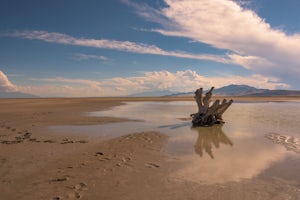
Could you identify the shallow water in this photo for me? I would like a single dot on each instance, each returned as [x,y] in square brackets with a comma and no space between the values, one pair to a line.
[255,138]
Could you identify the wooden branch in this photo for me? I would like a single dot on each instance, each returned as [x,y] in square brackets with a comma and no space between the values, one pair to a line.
[223,108]
[206,99]
[198,97]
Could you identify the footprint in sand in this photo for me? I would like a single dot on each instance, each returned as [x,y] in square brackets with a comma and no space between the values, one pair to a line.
[101,158]
[152,165]
[74,195]
[80,187]
[59,179]
[78,190]
[81,141]
[99,153]
[66,141]
[49,141]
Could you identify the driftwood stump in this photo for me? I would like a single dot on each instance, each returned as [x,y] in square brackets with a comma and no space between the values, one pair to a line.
[207,114]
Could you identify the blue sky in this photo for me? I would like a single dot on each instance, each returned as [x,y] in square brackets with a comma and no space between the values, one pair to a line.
[119,47]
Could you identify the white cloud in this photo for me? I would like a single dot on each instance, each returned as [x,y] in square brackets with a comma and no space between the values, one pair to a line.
[5,84]
[225,24]
[127,46]
[81,56]
[180,81]
[246,163]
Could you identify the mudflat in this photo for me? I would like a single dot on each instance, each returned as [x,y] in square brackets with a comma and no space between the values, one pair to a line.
[42,165]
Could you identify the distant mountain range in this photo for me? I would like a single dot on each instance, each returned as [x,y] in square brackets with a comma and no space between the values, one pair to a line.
[230,90]
[16,95]
[246,90]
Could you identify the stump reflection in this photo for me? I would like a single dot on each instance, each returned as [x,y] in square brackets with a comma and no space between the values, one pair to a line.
[209,137]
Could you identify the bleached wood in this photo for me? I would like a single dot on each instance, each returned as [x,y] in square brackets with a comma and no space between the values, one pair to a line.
[208,115]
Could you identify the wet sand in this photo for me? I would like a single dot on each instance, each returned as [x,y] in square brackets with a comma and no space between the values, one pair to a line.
[39,165]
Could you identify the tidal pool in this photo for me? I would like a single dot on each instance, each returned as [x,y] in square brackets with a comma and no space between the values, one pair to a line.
[257,140]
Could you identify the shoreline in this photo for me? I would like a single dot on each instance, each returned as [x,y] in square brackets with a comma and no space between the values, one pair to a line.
[160,98]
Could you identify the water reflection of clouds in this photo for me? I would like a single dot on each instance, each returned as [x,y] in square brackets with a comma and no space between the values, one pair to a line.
[244,160]
[248,157]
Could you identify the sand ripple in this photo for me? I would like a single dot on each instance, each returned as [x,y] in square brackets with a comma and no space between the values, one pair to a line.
[289,142]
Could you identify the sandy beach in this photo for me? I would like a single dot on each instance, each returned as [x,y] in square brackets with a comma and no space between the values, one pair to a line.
[42,165]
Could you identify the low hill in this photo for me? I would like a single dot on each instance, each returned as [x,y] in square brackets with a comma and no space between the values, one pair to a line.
[245,90]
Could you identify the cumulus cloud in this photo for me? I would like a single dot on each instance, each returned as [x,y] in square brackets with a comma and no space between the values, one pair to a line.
[225,24]
[179,81]
[5,84]
[127,46]
[182,80]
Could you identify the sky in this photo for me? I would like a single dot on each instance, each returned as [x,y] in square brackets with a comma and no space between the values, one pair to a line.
[76,48]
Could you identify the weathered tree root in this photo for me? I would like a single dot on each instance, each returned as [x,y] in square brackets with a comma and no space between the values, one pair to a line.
[208,115]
